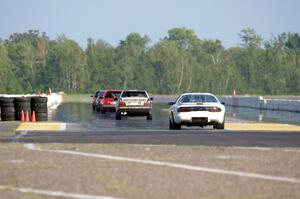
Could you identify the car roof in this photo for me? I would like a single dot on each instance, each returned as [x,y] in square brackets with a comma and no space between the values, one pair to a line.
[110,90]
[134,90]
[197,94]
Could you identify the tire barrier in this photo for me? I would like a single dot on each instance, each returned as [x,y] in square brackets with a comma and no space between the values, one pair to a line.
[22,104]
[7,109]
[11,108]
[39,106]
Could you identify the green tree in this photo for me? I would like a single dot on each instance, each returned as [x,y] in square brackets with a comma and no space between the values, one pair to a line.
[69,63]
[180,62]
[184,38]
[101,67]
[250,38]
[248,60]
[9,83]
[131,61]
[28,53]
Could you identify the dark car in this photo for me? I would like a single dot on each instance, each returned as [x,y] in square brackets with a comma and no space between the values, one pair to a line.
[94,99]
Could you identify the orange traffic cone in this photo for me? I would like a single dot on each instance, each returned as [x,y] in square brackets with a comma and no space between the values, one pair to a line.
[22,116]
[33,119]
[27,116]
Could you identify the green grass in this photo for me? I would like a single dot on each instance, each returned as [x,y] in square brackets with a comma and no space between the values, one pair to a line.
[77,98]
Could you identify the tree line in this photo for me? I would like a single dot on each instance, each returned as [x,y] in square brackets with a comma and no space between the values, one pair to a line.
[181,62]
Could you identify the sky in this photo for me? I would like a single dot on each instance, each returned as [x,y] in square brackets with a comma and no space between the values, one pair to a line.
[113,20]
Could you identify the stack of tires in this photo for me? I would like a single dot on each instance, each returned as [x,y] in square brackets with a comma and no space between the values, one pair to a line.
[7,109]
[22,104]
[39,106]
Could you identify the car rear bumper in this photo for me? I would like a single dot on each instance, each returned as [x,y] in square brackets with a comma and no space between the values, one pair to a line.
[199,118]
[135,111]
[108,107]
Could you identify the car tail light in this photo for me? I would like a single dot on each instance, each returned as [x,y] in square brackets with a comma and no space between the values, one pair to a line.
[184,109]
[147,103]
[121,103]
[214,109]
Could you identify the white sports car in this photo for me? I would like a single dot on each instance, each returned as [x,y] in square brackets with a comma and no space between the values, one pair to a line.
[197,109]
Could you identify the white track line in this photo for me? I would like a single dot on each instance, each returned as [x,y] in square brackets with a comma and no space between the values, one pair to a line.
[268,149]
[21,134]
[254,148]
[172,165]
[54,193]
[292,150]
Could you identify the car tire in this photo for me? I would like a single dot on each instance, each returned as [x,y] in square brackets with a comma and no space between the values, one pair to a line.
[7,109]
[40,116]
[7,104]
[118,115]
[171,127]
[220,126]
[39,106]
[149,116]
[22,99]
[8,100]
[23,105]
[97,108]
[177,126]
[39,100]
[174,124]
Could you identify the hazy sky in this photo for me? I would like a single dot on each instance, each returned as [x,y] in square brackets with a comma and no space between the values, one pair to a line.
[113,20]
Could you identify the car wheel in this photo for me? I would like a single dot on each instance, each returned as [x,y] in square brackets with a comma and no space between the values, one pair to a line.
[175,125]
[149,116]
[97,108]
[219,126]
[170,124]
[118,115]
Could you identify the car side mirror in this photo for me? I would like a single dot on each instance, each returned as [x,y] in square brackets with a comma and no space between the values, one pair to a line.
[171,103]
[151,98]
[92,95]
[115,99]
[223,103]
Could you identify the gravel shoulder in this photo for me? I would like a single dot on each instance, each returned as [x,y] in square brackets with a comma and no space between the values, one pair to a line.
[7,129]
[45,170]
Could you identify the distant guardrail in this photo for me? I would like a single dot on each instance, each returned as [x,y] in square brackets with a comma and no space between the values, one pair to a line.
[262,103]
[255,102]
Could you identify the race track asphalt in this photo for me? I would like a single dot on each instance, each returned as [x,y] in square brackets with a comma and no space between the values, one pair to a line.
[165,137]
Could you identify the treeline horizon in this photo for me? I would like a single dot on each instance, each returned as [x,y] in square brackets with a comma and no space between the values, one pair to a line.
[180,62]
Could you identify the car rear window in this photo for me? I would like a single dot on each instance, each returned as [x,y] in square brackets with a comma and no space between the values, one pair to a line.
[198,99]
[134,94]
[100,95]
[96,94]
[113,94]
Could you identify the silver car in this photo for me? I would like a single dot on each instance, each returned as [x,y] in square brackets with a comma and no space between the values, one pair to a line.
[196,109]
[134,103]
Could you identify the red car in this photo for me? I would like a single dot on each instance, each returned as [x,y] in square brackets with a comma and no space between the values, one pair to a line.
[106,100]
